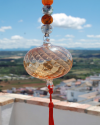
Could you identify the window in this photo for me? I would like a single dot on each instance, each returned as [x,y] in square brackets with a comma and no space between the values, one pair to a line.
[72,94]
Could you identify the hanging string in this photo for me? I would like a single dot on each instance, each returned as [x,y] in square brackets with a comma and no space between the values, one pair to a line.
[47,19]
[51,105]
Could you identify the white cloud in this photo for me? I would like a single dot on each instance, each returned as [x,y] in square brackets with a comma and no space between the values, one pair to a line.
[61,40]
[2,29]
[93,36]
[82,43]
[20,21]
[39,20]
[88,25]
[16,37]
[64,21]
[79,44]
[19,42]
[69,35]
[97,36]
[52,40]
[67,43]
[87,40]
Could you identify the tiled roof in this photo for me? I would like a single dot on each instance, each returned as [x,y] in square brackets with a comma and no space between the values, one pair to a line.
[86,84]
[69,80]
[78,83]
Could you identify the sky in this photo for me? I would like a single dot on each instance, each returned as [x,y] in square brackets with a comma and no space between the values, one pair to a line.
[76,23]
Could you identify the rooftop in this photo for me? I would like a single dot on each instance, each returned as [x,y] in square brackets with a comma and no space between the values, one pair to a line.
[70,80]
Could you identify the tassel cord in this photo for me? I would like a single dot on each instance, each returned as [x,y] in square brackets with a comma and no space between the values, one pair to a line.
[51,120]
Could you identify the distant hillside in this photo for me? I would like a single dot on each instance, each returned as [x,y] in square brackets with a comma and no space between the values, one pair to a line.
[27,49]
[85,63]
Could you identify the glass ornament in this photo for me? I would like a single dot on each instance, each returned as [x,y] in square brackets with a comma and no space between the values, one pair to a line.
[46,38]
[46,29]
[47,10]
[48,62]
[47,2]
[47,19]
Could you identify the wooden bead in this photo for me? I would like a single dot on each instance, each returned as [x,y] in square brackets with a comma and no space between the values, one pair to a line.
[47,19]
[47,2]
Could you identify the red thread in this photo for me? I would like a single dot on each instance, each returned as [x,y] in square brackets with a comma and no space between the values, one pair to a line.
[51,120]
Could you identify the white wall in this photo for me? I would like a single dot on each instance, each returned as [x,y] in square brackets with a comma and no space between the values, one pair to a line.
[0,115]
[75,96]
[63,90]
[99,87]
[27,114]
[5,114]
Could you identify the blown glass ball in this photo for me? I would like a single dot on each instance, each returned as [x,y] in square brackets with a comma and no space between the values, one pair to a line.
[47,2]
[48,62]
[46,29]
[47,19]
[47,10]
[46,38]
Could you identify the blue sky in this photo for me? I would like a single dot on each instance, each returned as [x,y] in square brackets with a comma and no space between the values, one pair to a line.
[76,23]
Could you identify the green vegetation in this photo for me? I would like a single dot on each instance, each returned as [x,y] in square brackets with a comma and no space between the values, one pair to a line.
[85,63]
[57,81]
[24,83]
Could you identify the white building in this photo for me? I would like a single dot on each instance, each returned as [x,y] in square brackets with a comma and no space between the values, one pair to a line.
[99,87]
[95,80]
[88,97]
[14,89]
[69,82]
[74,93]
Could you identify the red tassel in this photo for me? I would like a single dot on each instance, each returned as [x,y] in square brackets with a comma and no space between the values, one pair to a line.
[51,120]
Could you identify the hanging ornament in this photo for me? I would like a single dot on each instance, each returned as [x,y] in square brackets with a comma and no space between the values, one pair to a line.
[47,19]
[47,2]
[47,10]
[46,29]
[48,61]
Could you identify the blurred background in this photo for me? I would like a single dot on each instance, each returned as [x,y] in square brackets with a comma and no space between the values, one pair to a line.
[76,27]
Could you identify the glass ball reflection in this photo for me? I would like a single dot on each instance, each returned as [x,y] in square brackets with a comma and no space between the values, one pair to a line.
[46,39]
[47,10]
[46,29]
[48,62]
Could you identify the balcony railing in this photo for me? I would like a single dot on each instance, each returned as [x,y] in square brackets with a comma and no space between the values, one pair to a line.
[18,109]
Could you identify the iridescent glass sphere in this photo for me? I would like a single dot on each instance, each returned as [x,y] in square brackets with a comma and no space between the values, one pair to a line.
[47,10]
[46,29]
[48,62]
